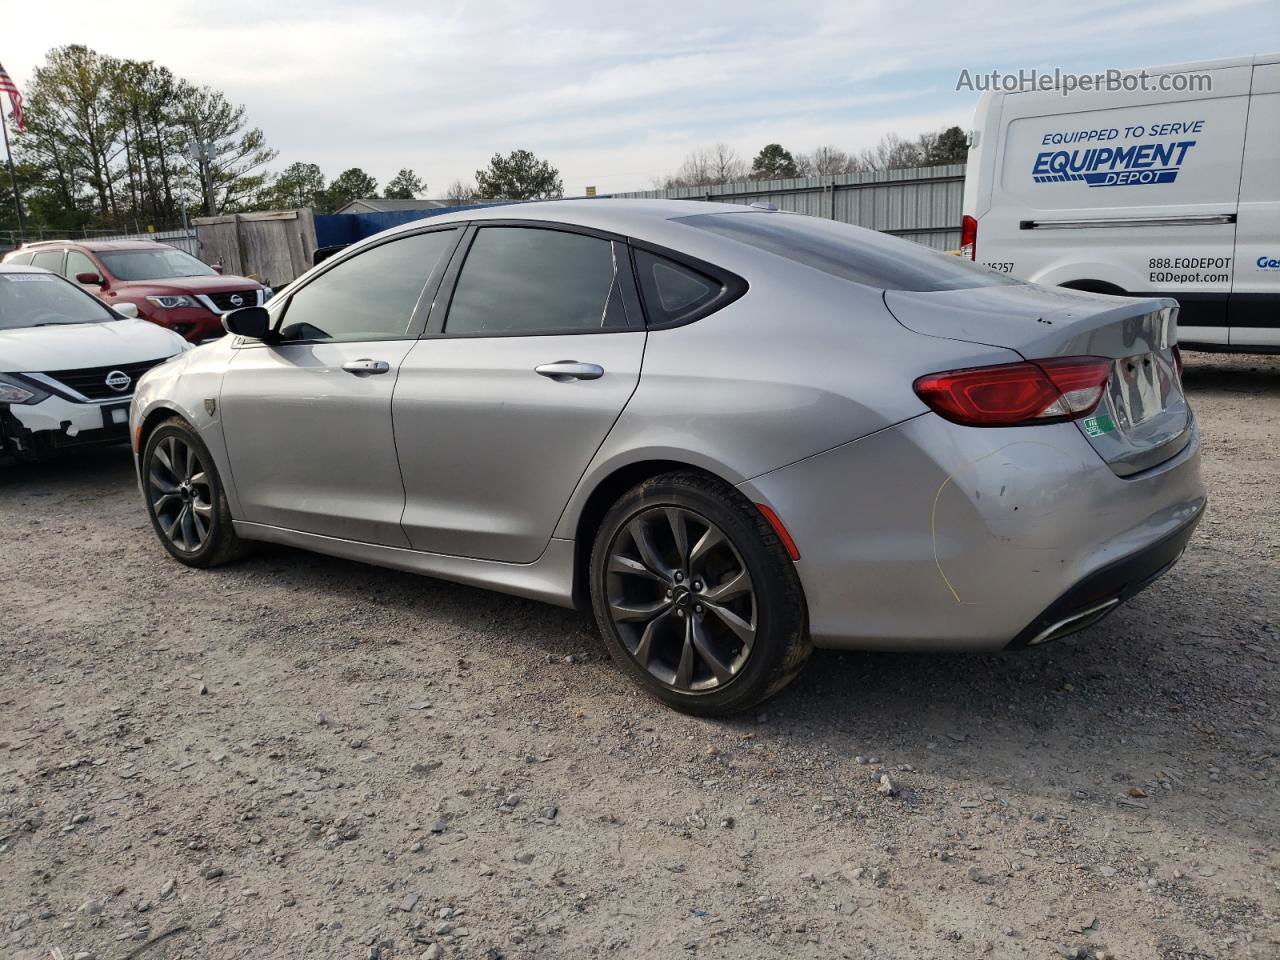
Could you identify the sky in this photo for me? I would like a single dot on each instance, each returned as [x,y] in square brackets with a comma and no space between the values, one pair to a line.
[614,94]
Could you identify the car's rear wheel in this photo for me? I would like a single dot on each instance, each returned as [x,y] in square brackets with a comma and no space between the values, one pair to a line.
[696,596]
[185,500]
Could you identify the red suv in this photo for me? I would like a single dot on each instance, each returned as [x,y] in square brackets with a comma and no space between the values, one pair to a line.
[169,287]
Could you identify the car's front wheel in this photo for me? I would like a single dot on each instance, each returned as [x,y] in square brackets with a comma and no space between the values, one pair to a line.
[184,496]
[696,595]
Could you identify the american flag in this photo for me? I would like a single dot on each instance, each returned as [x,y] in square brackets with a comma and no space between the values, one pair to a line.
[8,86]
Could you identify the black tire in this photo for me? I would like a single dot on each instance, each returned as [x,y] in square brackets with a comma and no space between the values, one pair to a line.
[191,519]
[636,595]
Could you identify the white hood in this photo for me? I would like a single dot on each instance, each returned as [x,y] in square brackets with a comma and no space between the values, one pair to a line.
[75,345]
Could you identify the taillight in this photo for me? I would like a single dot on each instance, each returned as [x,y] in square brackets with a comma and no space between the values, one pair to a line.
[968,237]
[1017,394]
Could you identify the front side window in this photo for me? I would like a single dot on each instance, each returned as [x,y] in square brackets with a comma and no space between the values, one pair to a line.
[163,263]
[48,260]
[525,280]
[369,296]
[77,263]
[45,300]
[849,252]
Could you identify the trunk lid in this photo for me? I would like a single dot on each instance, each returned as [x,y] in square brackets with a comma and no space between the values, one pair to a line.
[1143,419]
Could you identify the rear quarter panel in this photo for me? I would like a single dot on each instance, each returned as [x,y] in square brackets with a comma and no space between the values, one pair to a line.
[801,363]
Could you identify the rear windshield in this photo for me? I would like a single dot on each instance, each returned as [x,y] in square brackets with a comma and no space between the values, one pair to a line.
[848,252]
[162,264]
[45,300]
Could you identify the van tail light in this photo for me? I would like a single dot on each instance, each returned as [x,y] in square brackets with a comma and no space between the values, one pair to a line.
[968,237]
[1017,394]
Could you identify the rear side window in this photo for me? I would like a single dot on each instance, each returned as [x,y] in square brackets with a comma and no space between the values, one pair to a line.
[524,280]
[19,259]
[851,253]
[49,259]
[673,291]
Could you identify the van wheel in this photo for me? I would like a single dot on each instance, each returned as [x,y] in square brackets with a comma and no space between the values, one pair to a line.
[696,597]
[185,500]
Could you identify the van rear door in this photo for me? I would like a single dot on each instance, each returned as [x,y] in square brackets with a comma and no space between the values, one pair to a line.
[1255,293]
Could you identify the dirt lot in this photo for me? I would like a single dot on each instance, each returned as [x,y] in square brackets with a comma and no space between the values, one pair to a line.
[304,757]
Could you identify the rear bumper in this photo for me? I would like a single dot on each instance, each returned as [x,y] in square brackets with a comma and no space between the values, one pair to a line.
[1100,593]
[933,536]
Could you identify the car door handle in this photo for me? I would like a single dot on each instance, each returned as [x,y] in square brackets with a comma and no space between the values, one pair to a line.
[563,371]
[364,368]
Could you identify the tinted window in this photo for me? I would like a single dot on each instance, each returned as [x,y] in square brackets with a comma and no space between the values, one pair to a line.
[849,252]
[20,259]
[49,260]
[671,290]
[370,296]
[525,280]
[77,262]
[41,299]
[159,264]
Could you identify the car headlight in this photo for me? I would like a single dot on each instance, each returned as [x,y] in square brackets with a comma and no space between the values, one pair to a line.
[169,303]
[13,390]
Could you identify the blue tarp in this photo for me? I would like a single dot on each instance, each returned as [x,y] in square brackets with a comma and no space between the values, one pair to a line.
[333,229]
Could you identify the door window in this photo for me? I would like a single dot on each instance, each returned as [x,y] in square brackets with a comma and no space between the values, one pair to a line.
[370,296]
[49,259]
[77,262]
[524,280]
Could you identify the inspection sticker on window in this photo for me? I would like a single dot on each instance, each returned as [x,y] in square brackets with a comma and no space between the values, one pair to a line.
[1097,426]
[28,277]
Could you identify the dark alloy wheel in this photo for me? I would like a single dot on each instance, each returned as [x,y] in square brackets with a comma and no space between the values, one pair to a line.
[180,492]
[696,596]
[681,598]
[184,497]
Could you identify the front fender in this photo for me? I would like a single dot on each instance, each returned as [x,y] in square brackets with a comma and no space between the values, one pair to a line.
[188,386]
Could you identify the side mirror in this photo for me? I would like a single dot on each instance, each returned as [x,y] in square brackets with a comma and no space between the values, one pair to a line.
[91,278]
[129,310]
[251,322]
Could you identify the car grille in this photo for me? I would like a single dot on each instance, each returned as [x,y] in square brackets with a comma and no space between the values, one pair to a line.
[91,382]
[222,301]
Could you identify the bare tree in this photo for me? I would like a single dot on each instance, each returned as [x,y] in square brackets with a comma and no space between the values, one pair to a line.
[706,167]
[460,193]
[826,161]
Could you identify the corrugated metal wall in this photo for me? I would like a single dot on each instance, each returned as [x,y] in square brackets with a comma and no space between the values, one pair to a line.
[918,203]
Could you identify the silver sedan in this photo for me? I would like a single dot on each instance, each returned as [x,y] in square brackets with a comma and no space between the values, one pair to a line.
[733,434]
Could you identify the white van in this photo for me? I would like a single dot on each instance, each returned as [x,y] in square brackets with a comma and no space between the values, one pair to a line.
[1171,193]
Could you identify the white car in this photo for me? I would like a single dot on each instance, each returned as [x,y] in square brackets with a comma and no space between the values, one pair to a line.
[68,363]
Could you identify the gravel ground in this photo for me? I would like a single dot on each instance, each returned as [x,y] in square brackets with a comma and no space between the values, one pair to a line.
[303,757]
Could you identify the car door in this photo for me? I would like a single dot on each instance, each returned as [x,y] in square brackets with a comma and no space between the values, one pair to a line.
[501,406]
[308,420]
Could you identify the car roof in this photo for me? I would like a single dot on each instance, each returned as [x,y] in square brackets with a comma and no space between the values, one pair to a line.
[91,245]
[654,221]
